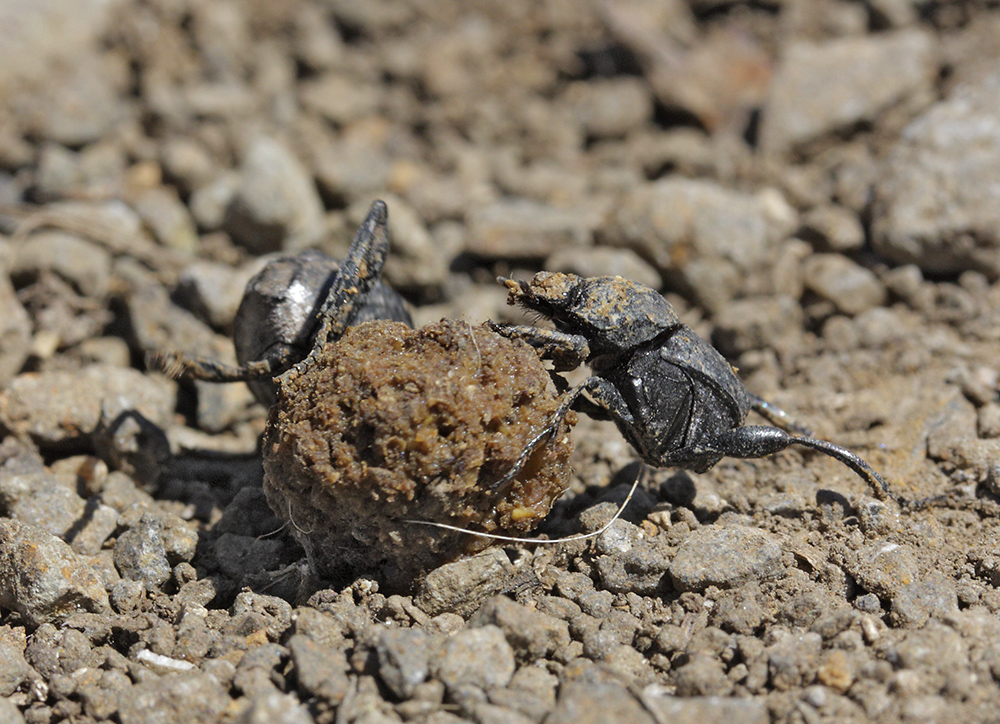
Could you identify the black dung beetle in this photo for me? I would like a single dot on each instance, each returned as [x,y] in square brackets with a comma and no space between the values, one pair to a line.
[671,394]
[296,304]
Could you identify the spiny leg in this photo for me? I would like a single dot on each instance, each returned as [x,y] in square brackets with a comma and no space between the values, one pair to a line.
[566,351]
[179,365]
[358,273]
[863,469]
[605,396]
[754,441]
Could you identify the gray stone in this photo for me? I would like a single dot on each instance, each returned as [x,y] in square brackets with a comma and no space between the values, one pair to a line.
[725,557]
[611,107]
[58,173]
[193,697]
[32,495]
[37,35]
[532,633]
[915,604]
[755,323]
[706,239]
[824,87]
[353,168]
[403,659]
[792,660]
[462,586]
[478,657]
[208,203]
[85,265]
[321,671]
[523,229]
[259,612]
[63,408]
[937,203]
[9,712]
[15,333]
[140,554]
[702,675]
[883,568]
[339,97]
[851,288]
[272,707]
[78,104]
[595,697]
[126,595]
[640,568]
[834,227]
[163,213]
[42,579]
[187,162]
[213,291]
[276,205]
[15,671]
[99,523]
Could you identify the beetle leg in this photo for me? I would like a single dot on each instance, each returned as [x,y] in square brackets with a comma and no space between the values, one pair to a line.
[566,351]
[605,395]
[754,441]
[778,417]
[178,365]
[358,273]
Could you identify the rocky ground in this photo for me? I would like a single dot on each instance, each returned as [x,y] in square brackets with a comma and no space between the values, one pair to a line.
[814,185]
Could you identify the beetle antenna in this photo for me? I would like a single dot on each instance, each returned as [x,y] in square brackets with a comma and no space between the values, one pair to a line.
[512,539]
[863,469]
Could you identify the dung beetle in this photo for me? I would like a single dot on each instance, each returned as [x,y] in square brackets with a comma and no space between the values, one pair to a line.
[296,304]
[671,394]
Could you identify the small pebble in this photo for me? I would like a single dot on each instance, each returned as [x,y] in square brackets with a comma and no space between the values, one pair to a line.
[276,205]
[667,707]
[522,229]
[851,288]
[63,408]
[883,568]
[932,597]
[404,659]
[272,707]
[532,633]
[42,579]
[725,557]
[193,697]
[479,657]
[140,554]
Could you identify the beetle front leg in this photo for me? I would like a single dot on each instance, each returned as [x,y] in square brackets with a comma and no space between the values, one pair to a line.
[758,441]
[566,351]
[605,395]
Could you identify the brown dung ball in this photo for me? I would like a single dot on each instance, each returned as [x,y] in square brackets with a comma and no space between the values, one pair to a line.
[390,424]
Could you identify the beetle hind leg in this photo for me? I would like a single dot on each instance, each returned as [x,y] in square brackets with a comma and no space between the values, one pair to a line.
[753,441]
[855,463]
[358,273]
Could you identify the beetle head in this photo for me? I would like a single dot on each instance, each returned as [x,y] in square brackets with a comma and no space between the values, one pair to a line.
[612,313]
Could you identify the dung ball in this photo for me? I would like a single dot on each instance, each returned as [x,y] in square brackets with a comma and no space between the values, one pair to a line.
[389,425]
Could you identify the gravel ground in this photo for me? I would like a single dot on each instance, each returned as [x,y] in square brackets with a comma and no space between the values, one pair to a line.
[813,185]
